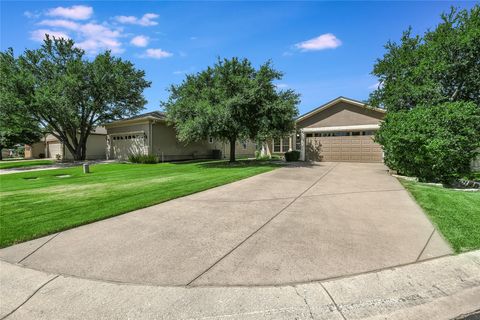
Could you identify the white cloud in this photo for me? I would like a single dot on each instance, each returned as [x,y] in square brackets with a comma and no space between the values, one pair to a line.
[39,35]
[73,12]
[140,41]
[67,24]
[96,37]
[156,54]
[322,42]
[146,20]
[31,15]
[281,85]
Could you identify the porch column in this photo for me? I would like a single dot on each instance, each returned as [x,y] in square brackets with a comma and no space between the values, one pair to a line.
[290,143]
[302,145]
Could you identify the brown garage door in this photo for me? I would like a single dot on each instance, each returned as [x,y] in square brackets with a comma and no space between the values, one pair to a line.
[343,148]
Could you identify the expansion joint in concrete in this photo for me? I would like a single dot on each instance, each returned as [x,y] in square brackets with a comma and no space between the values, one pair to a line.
[28,255]
[333,301]
[306,302]
[425,246]
[261,227]
[29,297]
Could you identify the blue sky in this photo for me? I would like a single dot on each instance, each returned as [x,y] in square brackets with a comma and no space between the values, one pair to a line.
[325,49]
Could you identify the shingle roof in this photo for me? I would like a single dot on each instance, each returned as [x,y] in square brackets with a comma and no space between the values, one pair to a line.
[155,114]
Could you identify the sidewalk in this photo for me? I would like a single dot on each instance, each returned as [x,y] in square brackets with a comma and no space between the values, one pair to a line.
[442,288]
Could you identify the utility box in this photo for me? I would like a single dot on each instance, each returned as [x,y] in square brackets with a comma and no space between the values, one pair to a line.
[86,168]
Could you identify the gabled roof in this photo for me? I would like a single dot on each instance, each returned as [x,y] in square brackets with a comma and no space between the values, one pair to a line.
[334,102]
[154,115]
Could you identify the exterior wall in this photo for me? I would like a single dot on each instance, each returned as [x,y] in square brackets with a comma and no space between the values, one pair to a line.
[34,151]
[341,114]
[240,151]
[167,147]
[96,148]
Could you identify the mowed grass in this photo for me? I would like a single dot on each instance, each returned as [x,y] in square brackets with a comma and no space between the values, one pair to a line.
[455,213]
[9,164]
[35,204]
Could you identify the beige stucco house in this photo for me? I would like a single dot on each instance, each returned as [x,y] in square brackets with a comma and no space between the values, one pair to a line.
[51,147]
[339,130]
[149,133]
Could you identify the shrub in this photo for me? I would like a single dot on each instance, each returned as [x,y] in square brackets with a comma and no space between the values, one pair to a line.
[434,143]
[142,158]
[292,155]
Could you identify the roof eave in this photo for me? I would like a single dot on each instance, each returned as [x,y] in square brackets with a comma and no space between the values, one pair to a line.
[334,102]
[130,121]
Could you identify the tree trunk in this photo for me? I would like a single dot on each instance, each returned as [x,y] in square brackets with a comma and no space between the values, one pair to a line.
[1,148]
[232,149]
[265,150]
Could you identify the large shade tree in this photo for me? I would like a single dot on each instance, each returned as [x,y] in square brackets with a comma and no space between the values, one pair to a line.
[430,86]
[231,101]
[68,94]
[15,127]
[443,65]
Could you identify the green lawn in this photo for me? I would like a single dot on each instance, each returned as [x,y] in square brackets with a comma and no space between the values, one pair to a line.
[455,213]
[9,164]
[34,204]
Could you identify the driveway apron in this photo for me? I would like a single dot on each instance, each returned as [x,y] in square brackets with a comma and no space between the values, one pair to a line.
[291,225]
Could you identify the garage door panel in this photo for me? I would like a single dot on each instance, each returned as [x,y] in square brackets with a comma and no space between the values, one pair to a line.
[54,149]
[343,148]
[123,146]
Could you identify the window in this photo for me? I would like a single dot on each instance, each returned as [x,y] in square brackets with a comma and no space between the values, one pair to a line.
[309,135]
[244,144]
[285,145]
[276,145]
[298,142]
[355,133]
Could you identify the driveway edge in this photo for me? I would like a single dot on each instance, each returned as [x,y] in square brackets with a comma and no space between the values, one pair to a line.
[442,288]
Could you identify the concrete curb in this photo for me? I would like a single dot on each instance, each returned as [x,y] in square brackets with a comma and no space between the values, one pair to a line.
[442,288]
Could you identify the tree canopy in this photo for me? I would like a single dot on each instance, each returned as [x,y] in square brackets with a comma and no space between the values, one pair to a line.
[231,101]
[430,86]
[442,65]
[67,94]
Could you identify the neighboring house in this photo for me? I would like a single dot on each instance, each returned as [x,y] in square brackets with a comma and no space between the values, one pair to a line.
[149,134]
[340,130]
[51,147]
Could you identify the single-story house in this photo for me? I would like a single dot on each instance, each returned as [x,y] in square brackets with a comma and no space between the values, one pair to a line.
[149,134]
[339,130]
[51,147]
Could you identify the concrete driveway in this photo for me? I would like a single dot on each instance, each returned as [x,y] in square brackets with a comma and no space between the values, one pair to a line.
[292,225]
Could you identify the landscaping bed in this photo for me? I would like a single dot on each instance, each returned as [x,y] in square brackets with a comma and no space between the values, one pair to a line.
[35,204]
